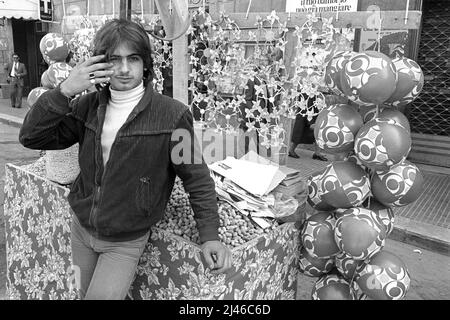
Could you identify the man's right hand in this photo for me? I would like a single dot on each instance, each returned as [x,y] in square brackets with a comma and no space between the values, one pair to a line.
[80,78]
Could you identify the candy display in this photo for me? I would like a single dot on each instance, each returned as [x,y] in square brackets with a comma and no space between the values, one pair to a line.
[235,229]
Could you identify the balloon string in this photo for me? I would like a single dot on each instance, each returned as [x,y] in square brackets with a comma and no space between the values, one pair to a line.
[337,11]
[407,11]
[64,8]
[379,35]
[248,9]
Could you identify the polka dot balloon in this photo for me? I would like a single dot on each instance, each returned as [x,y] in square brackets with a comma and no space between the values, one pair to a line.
[315,192]
[34,95]
[397,116]
[333,287]
[384,215]
[312,266]
[54,48]
[344,184]
[381,143]
[399,186]
[317,235]
[358,233]
[336,127]
[384,277]
[369,78]
[410,82]
[45,81]
[57,73]
[347,265]
[334,68]
[385,112]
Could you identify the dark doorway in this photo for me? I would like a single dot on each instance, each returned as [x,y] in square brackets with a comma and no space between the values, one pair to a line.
[26,45]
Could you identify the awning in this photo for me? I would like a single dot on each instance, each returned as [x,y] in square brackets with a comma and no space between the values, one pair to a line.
[25,9]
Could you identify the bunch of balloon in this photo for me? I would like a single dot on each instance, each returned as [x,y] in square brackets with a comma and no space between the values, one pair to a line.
[55,50]
[61,165]
[343,240]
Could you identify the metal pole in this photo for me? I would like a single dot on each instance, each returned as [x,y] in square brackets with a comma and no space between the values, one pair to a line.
[125,9]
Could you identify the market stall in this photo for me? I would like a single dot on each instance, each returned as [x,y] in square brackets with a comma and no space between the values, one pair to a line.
[267,256]
[38,217]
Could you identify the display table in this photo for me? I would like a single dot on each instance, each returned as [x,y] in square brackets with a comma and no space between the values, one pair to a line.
[37,221]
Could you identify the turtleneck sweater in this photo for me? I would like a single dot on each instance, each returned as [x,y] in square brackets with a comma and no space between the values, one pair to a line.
[118,109]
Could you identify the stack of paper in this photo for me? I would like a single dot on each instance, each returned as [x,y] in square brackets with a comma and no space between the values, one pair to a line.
[246,184]
[293,184]
[254,177]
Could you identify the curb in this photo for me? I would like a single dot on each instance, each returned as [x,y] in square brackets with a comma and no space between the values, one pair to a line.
[11,120]
[421,240]
[425,236]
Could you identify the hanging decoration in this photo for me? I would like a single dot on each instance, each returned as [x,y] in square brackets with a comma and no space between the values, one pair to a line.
[224,69]
[314,44]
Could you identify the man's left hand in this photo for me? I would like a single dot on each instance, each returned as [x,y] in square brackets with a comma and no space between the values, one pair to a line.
[217,256]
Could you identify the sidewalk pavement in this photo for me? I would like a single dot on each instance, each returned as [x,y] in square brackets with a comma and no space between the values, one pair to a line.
[12,116]
[424,235]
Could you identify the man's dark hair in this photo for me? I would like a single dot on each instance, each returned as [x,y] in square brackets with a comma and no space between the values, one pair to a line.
[118,31]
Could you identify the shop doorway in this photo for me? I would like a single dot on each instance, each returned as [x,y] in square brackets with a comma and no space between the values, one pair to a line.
[429,114]
[26,38]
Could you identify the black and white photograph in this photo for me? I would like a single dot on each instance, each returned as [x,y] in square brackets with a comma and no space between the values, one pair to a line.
[247,152]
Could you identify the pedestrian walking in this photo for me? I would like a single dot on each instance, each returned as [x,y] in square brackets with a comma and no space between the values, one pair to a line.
[16,71]
[127,160]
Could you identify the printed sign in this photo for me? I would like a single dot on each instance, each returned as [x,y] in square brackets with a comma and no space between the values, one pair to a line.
[319,6]
[197,3]
[46,10]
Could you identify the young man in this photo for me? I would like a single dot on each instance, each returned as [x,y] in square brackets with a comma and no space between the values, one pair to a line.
[16,71]
[127,168]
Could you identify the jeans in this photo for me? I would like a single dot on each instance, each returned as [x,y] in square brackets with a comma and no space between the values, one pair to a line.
[105,269]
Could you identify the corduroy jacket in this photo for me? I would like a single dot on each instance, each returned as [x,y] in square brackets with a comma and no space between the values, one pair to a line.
[123,199]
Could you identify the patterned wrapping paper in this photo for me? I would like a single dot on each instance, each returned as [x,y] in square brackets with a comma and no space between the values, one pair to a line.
[37,218]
